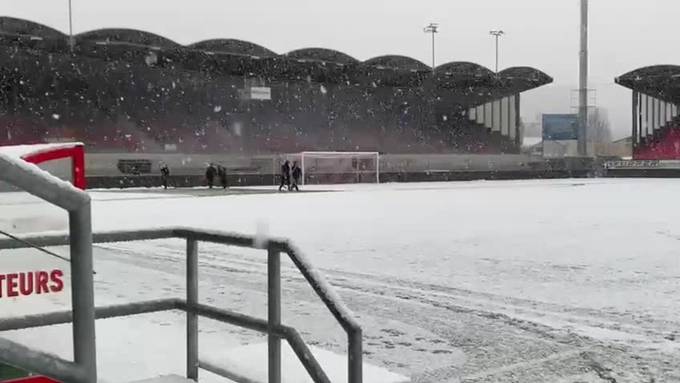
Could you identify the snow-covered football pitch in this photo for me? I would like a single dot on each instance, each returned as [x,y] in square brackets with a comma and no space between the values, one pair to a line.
[516,281]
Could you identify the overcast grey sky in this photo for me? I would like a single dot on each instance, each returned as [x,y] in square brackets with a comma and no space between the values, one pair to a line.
[624,34]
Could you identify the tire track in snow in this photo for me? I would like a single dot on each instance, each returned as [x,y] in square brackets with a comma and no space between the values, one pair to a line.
[584,321]
[496,311]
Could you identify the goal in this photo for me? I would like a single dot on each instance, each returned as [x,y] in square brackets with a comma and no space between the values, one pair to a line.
[337,167]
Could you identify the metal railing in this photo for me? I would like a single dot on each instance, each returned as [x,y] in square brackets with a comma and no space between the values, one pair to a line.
[83,313]
[41,184]
[272,326]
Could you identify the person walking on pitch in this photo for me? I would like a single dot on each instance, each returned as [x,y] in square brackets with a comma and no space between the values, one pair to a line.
[285,175]
[222,174]
[210,174]
[296,172]
[165,175]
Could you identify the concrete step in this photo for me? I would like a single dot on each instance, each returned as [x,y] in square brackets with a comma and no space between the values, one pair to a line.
[166,379]
[250,362]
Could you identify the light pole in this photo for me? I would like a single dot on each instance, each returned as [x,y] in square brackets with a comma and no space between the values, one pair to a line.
[433,28]
[71,42]
[583,83]
[497,34]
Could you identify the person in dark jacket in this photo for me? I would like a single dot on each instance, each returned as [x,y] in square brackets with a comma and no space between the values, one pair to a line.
[222,174]
[296,172]
[210,174]
[285,175]
[165,175]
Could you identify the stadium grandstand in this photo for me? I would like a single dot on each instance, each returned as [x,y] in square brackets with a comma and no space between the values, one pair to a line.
[123,90]
[656,123]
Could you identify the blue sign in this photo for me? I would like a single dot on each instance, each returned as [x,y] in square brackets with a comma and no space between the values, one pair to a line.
[560,127]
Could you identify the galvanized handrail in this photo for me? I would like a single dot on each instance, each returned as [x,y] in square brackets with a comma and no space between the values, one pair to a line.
[273,327]
[43,185]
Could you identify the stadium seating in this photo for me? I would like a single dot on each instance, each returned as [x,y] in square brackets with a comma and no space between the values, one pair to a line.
[133,91]
[656,111]
[664,144]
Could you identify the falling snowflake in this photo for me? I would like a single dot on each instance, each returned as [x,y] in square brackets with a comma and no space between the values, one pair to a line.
[56,116]
[217,109]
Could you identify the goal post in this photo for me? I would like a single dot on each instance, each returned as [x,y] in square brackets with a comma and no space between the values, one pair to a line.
[337,167]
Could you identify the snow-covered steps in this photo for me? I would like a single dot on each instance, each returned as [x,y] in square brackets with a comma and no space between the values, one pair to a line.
[251,362]
[166,379]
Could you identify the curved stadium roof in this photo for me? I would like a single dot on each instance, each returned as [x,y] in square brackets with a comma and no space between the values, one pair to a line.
[523,78]
[24,27]
[322,54]
[397,62]
[659,81]
[393,70]
[464,69]
[524,73]
[233,46]
[129,36]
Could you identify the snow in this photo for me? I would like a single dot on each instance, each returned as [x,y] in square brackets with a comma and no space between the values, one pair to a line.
[326,289]
[261,235]
[247,361]
[166,379]
[22,213]
[532,281]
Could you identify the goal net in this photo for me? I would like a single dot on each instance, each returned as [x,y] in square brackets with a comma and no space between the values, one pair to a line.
[337,167]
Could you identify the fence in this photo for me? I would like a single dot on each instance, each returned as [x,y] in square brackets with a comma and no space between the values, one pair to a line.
[272,326]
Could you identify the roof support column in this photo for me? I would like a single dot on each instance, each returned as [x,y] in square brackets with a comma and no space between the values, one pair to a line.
[518,121]
[636,117]
[662,114]
[645,100]
[655,115]
[488,116]
[497,123]
[480,114]
[512,123]
[505,120]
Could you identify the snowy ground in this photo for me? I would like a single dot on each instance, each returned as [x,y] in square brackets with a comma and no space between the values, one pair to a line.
[526,281]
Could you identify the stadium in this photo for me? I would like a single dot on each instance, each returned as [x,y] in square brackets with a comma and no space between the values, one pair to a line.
[135,96]
[370,271]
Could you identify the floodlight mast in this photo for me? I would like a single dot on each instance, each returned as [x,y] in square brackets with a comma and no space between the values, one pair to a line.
[497,34]
[432,28]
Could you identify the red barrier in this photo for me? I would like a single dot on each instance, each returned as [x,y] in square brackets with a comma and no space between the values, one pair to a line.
[77,155]
[31,379]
